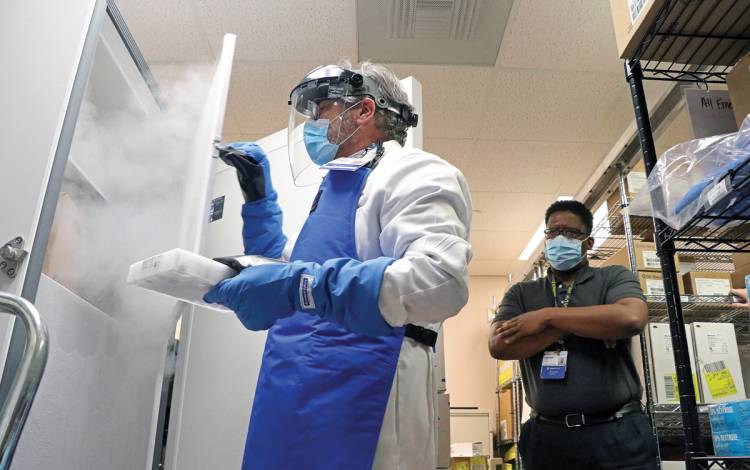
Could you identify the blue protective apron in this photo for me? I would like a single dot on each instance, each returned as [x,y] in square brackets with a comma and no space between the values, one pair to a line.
[322,390]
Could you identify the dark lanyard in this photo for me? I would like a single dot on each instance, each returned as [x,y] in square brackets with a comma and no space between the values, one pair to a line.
[568,294]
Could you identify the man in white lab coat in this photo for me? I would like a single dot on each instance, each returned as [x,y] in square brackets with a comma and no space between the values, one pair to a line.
[347,374]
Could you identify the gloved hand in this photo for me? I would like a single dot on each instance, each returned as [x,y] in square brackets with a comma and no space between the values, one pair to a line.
[341,290]
[253,169]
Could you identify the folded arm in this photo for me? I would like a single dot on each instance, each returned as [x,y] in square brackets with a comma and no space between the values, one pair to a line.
[525,347]
[425,217]
[625,318]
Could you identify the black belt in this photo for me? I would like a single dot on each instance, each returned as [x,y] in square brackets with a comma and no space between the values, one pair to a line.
[421,335]
[577,420]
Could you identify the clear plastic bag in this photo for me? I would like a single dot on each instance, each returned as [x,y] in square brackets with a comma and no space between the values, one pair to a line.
[682,180]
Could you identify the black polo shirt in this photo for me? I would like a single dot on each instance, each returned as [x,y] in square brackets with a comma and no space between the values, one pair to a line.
[598,379]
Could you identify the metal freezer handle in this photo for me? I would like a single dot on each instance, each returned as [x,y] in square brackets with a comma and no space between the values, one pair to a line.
[16,408]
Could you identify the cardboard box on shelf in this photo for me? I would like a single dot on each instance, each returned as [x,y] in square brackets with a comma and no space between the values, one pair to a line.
[466,449]
[663,372]
[707,283]
[505,415]
[504,372]
[652,283]
[469,463]
[741,269]
[718,362]
[738,83]
[729,429]
[632,20]
[645,256]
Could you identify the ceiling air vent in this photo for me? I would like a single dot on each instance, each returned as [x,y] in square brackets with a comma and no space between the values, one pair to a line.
[434,19]
[445,32]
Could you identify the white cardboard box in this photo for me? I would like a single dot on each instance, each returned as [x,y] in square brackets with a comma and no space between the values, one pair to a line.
[664,375]
[467,449]
[718,361]
[180,274]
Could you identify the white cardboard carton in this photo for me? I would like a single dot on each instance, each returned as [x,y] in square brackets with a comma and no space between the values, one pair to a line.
[664,375]
[180,274]
[718,361]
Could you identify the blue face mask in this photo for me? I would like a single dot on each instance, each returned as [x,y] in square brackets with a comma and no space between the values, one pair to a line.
[320,149]
[563,253]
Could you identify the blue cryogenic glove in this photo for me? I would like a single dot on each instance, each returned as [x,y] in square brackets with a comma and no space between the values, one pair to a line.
[341,290]
[261,215]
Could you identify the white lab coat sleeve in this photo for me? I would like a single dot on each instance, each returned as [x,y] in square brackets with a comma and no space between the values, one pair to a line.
[425,218]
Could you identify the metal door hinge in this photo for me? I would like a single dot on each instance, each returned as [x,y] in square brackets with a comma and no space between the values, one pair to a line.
[12,255]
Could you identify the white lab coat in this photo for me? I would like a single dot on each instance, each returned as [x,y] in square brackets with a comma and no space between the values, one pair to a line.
[415,208]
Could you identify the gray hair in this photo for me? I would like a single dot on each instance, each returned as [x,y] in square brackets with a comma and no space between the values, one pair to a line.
[391,124]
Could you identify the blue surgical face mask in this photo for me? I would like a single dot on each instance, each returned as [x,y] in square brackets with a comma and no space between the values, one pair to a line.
[320,149]
[563,253]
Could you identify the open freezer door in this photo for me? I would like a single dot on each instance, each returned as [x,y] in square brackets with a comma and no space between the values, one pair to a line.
[47,52]
[193,224]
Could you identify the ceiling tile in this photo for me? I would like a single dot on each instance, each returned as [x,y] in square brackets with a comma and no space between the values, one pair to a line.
[167,30]
[494,245]
[258,94]
[455,151]
[567,35]
[522,167]
[488,268]
[453,98]
[283,30]
[509,211]
[551,106]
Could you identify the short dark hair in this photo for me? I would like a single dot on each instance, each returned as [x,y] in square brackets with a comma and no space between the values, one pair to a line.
[576,208]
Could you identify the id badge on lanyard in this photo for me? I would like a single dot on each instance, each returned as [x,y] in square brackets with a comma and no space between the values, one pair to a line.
[555,363]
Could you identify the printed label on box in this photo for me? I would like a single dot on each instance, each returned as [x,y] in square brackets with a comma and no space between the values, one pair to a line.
[719,379]
[635,7]
[709,286]
[651,260]
[671,390]
[719,190]
[717,343]
[654,287]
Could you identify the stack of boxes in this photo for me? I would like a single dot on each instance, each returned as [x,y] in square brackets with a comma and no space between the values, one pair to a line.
[505,407]
[468,456]
[729,428]
[714,358]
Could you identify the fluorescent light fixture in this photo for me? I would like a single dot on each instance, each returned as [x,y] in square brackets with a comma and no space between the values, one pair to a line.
[601,225]
[536,239]
[538,236]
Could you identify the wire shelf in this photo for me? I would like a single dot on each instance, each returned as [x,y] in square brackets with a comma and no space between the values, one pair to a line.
[721,463]
[695,41]
[669,421]
[725,225]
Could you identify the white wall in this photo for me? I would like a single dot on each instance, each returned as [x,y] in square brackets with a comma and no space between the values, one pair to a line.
[469,368]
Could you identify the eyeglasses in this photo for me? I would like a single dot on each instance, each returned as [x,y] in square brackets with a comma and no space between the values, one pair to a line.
[551,233]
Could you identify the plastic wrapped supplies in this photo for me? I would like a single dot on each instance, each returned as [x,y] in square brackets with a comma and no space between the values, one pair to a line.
[684,180]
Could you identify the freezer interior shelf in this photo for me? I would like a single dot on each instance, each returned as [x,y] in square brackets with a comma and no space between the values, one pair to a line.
[695,41]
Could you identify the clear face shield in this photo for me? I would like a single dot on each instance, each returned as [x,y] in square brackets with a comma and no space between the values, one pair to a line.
[318,122]
[314,141]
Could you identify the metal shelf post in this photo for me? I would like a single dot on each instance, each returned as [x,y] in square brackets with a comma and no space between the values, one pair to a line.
[666,251]
[641,337]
